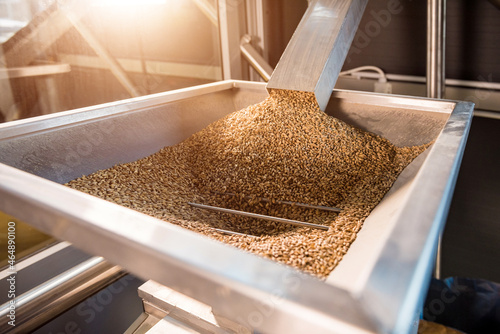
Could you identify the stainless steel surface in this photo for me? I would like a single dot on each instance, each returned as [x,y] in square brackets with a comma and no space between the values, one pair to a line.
[258,216]
[258,62]
[436,41]
[432,193]
[314,56]
[31,71]
[303,205]
[255,292]
[162,302]
[142,324]
[45,302]
[169,325]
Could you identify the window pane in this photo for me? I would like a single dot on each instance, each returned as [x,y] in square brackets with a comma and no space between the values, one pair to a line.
[62,55]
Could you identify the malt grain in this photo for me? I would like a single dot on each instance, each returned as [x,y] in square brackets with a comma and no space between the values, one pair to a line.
[283,148]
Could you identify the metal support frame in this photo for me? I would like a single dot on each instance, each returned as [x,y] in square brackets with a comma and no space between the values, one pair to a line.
[49,97]
[235,43]
[32,71]
[255,25]
[154,67]
[164,304]
[258,63]
[40,36]
[51,298]
[255,29]
[53,25]
[436,41]
[233,282]
[229,32]
[49,100]
[20,52]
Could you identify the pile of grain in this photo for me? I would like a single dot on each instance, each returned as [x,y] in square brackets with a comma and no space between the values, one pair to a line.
[283,148]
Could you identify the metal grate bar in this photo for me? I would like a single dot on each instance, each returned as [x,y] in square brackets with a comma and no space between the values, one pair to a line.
[258,216]
[303,205]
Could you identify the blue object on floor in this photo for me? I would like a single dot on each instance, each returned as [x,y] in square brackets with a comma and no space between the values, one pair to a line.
[469,305]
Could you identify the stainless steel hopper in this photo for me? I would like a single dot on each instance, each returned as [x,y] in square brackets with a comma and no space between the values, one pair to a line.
[379,285]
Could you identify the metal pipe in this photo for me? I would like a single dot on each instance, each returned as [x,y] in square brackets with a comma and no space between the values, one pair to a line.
[256,215]
[303,205]
[487,114]
[229,33]
[419,79]
[255,60]
[233,233]
[436,42]
[436,37]
[48,300]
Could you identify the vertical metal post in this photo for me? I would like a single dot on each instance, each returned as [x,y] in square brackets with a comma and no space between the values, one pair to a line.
[257,39]
[49,98]
[230,35]
[436,37]
[436,42]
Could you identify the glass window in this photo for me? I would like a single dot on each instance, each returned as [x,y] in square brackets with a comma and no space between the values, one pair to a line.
[62,55]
